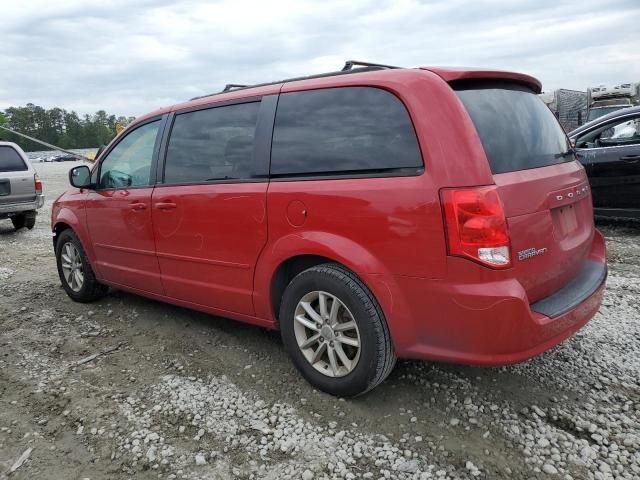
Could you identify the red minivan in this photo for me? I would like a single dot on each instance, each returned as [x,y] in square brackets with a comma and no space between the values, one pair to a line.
[369,214]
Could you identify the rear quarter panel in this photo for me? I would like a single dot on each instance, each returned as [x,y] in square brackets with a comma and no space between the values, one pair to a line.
[381,228]
[374,226]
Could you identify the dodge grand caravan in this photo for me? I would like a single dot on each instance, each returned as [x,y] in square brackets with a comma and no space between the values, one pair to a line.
[369,214]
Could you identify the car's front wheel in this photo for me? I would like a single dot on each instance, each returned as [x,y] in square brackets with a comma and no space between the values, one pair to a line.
[335,331]
[75,271]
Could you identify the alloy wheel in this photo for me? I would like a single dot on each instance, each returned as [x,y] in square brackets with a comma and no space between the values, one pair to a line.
[327,334]
[71,263]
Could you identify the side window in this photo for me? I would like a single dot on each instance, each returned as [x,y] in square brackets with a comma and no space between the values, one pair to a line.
[614,134]
[626,132]
[129,163]
[347,129]
[212,144]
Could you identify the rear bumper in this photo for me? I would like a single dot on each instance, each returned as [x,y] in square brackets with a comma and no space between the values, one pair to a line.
[489,322]
[8,209]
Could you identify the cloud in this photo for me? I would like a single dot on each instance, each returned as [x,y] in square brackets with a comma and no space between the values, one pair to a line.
[130,57]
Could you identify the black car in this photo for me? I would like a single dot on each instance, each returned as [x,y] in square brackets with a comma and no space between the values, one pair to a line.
[64,158]
[609,149]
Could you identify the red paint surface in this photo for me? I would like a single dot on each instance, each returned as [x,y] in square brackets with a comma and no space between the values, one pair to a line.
[216,248]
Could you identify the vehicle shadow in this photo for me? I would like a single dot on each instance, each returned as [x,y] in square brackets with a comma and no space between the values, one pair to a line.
[6,229]
[422,386]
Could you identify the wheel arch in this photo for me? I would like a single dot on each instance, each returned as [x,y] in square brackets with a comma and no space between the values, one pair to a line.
[295,253]
[66,219]
[57,229]
[287,271]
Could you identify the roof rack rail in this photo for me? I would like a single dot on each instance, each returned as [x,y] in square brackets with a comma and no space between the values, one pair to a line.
[346,70]
[231,86]
[349,64]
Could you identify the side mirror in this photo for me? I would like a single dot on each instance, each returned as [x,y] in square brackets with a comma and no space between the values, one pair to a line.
[80,177]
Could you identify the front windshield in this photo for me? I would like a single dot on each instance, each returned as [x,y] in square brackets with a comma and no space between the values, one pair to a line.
[601,111]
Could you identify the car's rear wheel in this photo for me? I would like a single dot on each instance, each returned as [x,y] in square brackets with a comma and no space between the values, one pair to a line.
[19,221]
[75,271]
[335,331]
[30,220]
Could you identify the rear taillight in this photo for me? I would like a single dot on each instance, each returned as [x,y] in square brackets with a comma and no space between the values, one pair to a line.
[38,184]
[476,225]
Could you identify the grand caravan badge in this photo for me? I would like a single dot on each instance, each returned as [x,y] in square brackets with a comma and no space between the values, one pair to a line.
[531,252]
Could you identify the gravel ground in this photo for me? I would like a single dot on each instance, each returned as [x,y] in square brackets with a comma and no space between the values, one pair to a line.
[186,395]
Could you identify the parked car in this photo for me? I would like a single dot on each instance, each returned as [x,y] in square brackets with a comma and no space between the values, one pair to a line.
[609,149]
[368,214]
[64,158]
[20,189]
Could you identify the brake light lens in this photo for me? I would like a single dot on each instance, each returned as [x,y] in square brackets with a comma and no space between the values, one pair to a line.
[38,184]
[476,225]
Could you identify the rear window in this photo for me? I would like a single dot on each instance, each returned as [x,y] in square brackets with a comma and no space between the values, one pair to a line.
[342,130]
[517,130]
[10,160]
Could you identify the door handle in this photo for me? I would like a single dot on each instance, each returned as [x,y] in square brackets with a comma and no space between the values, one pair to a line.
[630,158]
[165,205]
[137,206]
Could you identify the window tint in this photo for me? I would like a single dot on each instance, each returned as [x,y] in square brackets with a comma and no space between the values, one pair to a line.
[212,144]
[613,134]
[342,130]
[516,128]
[129,163]
[10,160]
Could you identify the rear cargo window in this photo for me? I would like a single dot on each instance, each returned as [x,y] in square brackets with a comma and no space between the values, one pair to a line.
[10,160]
[342,130]
[517,130]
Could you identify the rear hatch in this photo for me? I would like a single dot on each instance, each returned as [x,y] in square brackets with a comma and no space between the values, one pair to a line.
[544,190]
[16,180]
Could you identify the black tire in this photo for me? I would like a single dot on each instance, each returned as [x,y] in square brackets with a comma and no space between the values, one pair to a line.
[91,289]
[377,356]
[18,221]
[30,220]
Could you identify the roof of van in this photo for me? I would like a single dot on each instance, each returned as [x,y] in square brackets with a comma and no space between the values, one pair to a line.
[448,74]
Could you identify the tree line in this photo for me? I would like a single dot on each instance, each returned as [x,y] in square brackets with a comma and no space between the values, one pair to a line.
[59,127]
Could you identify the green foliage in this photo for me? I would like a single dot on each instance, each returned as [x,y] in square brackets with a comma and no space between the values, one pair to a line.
[58,127]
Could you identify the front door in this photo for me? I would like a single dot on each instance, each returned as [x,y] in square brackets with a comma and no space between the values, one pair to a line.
[209,214]
[119,212]
[611,155]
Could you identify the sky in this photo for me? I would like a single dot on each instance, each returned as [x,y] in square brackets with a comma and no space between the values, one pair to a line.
[131,57]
